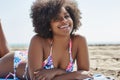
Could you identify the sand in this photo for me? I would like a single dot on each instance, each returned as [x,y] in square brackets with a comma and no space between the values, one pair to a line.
[105,59]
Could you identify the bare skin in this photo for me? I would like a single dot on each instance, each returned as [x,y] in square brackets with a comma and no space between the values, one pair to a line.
[3,43]
[20,70]
[6,58]
[40,49]
[5,68]
[59,61]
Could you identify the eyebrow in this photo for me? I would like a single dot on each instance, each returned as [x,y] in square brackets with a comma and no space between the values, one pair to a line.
[66,12]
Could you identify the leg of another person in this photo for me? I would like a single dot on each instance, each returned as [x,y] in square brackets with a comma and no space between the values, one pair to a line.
[6,66]
[3,43]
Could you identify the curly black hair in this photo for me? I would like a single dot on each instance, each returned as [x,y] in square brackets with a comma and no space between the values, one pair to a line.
[42,11]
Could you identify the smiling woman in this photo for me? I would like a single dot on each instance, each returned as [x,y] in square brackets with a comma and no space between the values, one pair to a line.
[55,39]
[66,26]
[53,49]
[54,22]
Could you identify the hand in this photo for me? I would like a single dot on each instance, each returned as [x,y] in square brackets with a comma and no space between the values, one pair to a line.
[76,75]
[44,74]
[84,74]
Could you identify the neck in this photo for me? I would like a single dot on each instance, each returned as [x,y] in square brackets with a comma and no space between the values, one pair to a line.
[61,42]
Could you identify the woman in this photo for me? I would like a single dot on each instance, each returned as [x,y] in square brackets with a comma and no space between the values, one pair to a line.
[54,48]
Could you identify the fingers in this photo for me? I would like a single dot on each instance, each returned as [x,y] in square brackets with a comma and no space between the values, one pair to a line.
[36,72]
[43,78]
[39,76]
[87,74]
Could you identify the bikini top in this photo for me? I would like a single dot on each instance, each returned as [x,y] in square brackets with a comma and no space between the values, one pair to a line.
[48,63]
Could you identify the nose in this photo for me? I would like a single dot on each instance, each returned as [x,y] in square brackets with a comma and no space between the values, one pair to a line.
[63,20]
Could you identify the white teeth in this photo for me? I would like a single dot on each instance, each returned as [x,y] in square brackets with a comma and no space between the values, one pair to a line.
[64,26]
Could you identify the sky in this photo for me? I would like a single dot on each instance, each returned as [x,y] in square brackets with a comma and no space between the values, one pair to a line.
[100,20]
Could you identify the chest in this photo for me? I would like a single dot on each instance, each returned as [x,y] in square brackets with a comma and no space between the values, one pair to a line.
[60,56]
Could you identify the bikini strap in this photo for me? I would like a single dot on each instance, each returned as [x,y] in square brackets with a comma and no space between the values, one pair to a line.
[51,45]
[70,50]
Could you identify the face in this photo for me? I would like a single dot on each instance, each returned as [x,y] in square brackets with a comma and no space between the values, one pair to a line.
[62,24]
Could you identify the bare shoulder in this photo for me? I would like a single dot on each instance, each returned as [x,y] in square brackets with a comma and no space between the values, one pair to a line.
[79,43]
[82,53]
[37,39]
[36,43]
[79,39]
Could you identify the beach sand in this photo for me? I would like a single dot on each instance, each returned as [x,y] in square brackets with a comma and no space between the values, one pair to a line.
[104,59]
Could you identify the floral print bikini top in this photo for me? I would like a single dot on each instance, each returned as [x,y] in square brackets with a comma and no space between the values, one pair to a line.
[48,63]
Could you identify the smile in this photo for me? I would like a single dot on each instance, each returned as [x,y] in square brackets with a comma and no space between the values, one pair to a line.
[65,27]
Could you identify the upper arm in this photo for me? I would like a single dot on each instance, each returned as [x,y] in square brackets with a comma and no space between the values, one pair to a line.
[82,54]
[35,55]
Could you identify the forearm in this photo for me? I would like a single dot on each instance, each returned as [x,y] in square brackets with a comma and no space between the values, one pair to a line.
[67,76]
[48,73]
[76,75]
[59,72]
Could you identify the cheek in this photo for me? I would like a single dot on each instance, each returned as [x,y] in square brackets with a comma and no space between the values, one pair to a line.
[71,22]
[53,26]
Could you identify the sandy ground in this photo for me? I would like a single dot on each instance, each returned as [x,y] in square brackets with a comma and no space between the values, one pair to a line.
[104,59]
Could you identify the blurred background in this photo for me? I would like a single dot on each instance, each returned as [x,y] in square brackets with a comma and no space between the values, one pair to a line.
[100,25]
[100,21]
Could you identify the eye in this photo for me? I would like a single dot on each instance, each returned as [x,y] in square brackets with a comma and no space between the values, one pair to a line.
[56,19]
[67,16]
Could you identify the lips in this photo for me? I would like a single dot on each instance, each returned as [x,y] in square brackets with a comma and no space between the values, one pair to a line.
[65,27]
